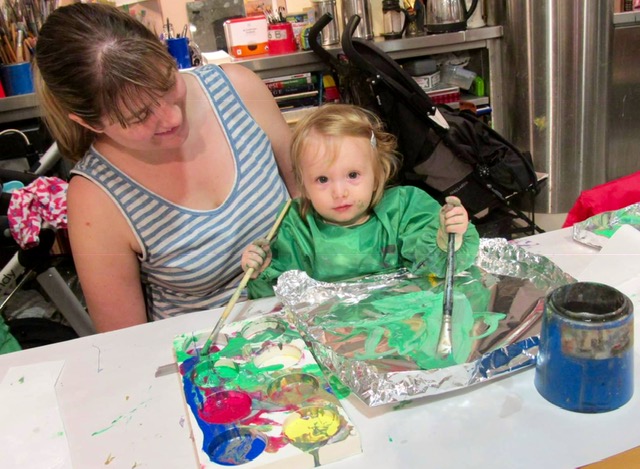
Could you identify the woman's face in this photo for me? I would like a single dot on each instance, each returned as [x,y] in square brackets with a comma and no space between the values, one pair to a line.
[153,127]
[338,178]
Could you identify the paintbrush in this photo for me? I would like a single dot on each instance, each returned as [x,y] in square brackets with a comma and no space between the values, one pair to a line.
[243,283]
[445,346]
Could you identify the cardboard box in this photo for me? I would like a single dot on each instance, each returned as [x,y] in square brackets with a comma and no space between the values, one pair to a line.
[427,82]
[247,37]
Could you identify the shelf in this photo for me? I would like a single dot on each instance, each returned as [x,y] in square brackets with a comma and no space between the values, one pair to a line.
[18,108]
[268,66]
[24,107]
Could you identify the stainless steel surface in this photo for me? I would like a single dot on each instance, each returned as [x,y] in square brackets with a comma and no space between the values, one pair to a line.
[623,115]
[331,32]
[558,55]
[362,8]
[271,66]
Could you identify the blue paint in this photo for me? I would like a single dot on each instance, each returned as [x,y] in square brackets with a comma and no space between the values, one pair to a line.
[585,359]
[236,446]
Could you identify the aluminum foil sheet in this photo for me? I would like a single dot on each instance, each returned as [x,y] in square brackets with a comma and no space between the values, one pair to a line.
[377,334]
[595,231]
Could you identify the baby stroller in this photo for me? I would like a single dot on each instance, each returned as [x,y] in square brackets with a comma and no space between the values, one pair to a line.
[35,272]
[445,151]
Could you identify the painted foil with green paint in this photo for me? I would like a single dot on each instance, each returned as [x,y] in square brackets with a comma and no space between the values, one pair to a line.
[596,230]
[378,334]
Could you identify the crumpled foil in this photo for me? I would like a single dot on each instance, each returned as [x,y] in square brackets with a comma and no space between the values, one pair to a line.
[354,339]
[595,231]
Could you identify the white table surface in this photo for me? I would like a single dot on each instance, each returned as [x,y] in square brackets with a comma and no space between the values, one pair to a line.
[117,414]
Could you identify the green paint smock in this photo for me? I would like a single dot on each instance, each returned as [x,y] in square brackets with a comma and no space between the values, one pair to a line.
[401,232]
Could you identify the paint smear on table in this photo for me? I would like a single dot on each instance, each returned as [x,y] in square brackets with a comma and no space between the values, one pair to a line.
[258,397]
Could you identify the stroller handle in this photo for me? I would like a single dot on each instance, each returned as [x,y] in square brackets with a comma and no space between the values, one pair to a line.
[314,40]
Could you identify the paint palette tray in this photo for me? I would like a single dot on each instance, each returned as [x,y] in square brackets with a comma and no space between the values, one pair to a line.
[258,398]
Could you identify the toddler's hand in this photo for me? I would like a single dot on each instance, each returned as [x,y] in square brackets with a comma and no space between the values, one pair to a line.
[453,219]
[256,256]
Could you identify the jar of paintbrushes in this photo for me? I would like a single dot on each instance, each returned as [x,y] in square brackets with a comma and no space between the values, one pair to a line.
[20,21]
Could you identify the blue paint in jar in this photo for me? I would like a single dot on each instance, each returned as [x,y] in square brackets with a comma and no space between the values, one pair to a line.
[585,358]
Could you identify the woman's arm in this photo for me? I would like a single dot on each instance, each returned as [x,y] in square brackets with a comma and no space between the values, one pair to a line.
[104,253]
[259,100]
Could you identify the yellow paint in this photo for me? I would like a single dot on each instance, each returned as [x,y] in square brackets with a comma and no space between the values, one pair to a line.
[312,425]
[540,122]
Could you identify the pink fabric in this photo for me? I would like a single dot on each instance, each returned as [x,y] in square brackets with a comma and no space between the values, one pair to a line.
[44,200]
[612,195]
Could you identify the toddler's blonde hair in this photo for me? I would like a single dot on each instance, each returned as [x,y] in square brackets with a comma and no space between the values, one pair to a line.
[345,120]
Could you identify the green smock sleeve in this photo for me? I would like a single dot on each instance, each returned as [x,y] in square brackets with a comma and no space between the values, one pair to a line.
[418,222]
[292,249]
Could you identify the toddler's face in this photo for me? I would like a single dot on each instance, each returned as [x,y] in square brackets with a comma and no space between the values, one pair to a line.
[339,178]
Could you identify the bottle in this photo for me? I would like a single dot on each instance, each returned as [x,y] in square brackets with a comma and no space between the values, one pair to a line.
[394,19]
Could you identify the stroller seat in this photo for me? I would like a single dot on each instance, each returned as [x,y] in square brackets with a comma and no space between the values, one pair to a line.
[445,152]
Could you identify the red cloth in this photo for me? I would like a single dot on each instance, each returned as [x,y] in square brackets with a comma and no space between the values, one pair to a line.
[42,201]
[612,195]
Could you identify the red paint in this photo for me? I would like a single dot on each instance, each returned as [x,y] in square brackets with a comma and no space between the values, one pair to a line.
[225,407]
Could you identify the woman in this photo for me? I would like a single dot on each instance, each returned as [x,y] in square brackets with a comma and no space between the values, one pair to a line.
[177,171]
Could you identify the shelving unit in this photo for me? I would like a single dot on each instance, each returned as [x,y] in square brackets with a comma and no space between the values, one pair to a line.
[483,44]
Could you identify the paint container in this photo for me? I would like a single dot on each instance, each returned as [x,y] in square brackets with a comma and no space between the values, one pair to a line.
[179,49]
[225,407]
[311,426]
[237,446]
[281,39]
[280,356]
[264,329]
[585,358]
[293,388]
[17,78]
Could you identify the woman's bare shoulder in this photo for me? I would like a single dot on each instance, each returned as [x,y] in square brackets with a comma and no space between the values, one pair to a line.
[92,212]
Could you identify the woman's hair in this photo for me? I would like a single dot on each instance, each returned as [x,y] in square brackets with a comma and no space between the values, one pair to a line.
[96,62]
[336,121]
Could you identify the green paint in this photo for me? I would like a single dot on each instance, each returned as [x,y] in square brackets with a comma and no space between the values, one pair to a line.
[126,418]
[408,325]
[390,440]
[401,405]
[183,343]
[21,380]
[340,390]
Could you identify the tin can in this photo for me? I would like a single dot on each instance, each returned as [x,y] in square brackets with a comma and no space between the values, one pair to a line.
[331,32]
[585,358]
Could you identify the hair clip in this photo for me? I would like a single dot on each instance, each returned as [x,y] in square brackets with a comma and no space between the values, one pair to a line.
[374,142]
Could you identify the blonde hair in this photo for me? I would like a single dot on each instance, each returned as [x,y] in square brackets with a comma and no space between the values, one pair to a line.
[96,61]
[346,120]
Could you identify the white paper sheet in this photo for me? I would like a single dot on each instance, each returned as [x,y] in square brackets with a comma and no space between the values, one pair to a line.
[618,261]
[31,429]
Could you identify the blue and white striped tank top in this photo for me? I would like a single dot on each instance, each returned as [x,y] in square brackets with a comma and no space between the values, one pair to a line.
[191,258]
